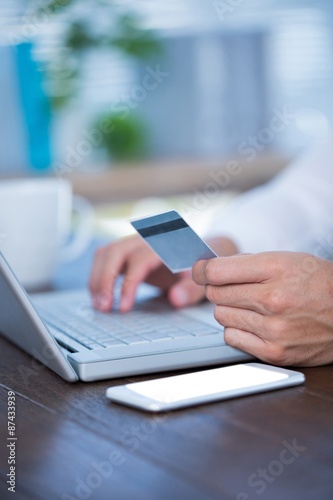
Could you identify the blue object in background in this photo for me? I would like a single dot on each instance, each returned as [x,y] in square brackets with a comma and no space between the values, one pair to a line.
[36,108]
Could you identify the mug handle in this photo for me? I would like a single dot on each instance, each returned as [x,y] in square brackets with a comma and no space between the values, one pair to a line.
[83,230]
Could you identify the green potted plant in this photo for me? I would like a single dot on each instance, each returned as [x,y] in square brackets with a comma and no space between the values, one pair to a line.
[105,25]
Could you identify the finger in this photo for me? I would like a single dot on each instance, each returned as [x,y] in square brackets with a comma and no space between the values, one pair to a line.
[246,341]
[107,271]
[162,277]
[186,293]
[116,257]
[253,268]
[240,319]
[101,297]
[137,269]
[254,296]
[96,270]
[263,349]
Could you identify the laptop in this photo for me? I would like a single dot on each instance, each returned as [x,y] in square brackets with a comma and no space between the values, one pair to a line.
[65,333]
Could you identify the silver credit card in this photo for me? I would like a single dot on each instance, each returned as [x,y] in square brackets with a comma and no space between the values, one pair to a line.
[174,241]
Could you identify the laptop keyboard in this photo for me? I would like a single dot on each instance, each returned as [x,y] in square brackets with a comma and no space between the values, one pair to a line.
[96,330]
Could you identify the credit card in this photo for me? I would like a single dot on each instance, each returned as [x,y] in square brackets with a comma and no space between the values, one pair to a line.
[174,241]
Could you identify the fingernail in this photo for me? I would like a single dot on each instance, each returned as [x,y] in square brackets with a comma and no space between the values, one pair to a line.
[101,301]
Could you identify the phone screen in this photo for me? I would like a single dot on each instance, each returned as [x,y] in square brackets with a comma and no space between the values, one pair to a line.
[194,385]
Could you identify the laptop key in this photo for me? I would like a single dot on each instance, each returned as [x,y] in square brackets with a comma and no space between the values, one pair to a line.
[136,341]
[92,345]
[206,331]
[111,343]
[180,333]
[155,335]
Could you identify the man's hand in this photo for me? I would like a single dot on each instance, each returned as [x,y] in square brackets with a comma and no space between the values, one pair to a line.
[277,306]
[133,258]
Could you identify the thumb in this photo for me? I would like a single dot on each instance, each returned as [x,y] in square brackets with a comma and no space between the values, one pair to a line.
[186,293]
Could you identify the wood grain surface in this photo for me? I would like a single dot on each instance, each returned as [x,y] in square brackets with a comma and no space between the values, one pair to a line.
[72,443]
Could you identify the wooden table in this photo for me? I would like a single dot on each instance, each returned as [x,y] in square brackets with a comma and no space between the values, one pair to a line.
[73,444]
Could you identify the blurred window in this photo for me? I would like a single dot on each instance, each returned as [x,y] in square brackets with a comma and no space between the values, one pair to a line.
[300,60]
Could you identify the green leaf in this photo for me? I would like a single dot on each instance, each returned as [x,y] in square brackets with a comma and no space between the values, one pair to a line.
[126,137]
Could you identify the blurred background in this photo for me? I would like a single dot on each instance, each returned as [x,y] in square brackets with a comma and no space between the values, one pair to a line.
[87,84]
[140,103]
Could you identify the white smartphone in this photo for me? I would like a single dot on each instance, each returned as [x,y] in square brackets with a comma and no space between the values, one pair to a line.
[170,393]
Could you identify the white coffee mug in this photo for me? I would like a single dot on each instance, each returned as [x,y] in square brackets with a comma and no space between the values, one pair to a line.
[35,223]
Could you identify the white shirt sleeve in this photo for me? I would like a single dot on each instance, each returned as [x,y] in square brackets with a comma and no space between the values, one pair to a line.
[292,212]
